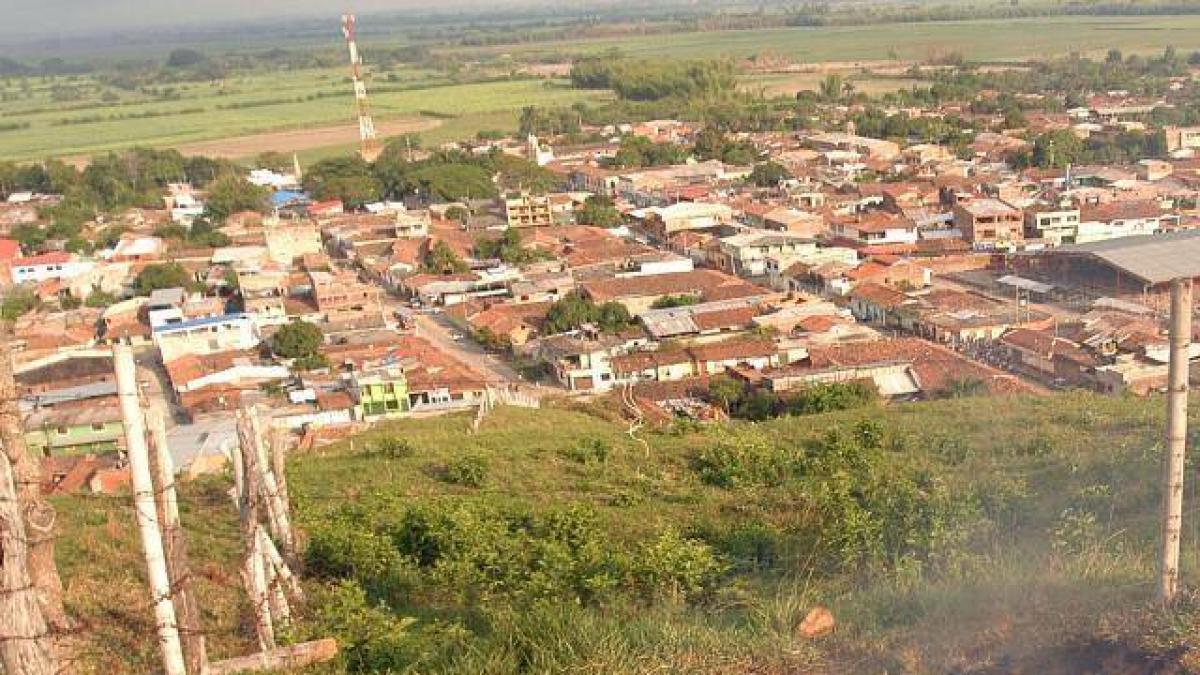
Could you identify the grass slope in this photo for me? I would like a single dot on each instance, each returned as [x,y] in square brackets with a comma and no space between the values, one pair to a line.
[1066,554]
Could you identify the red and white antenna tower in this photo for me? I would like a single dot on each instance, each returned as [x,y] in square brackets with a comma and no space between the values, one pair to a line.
[369,148]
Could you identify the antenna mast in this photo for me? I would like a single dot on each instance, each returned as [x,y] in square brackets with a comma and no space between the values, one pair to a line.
[369,148]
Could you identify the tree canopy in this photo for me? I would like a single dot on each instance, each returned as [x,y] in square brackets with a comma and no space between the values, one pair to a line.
[598,211]
[162,275]
[769,174]
[574,310]
[348,178]
[508,248]
[230,194]
[297,340]
[653,80]
[441,259]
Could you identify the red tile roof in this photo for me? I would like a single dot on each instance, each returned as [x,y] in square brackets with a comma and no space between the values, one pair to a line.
[935,366]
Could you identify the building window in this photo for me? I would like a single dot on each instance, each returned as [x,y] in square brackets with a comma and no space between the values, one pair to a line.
[97,426]
[61,431]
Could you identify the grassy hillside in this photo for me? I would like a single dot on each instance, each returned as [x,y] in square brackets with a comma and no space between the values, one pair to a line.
[972,536]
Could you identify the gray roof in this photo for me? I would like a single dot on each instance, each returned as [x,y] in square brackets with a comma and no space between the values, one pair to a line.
[1153,258]
[166,297]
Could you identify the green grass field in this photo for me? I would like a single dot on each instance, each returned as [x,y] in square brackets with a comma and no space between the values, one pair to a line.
[1067,555]
[252,104]
[976,40]
[35,113]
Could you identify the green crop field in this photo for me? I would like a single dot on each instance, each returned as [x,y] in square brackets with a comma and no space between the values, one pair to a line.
[976,40]
[1059,493]
[70,116]
[247,104]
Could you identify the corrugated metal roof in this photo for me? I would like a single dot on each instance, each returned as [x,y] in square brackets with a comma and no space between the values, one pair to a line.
[1025,284]
[1155,258]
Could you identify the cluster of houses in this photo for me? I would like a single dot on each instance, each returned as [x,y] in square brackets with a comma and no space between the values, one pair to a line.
[909,266]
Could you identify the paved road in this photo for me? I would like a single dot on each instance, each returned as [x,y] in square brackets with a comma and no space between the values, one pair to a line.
[439,330]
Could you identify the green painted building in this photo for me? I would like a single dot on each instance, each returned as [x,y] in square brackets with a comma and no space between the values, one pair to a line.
[380,393]
[74,431]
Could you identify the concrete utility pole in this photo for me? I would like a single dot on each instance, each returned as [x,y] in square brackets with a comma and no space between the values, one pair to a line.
[146,511]
[38,514]
[1177,424]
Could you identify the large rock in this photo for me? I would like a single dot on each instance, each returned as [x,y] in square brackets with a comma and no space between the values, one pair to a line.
[818,622]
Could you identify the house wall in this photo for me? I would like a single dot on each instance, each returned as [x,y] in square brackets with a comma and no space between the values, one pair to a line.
[76,440]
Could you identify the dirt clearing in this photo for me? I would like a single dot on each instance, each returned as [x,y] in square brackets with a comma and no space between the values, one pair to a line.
[295,140]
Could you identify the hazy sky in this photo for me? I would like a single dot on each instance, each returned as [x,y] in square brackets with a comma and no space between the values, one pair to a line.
[40,18]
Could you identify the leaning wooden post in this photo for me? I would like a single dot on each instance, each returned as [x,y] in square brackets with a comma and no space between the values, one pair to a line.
[250,496]
[277,509]
[146,511]
[163,466]
[279,446]
[25,643]
[38,514]
[1173,462]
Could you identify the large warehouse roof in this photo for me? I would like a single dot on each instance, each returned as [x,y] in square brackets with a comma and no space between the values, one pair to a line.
[1155,258]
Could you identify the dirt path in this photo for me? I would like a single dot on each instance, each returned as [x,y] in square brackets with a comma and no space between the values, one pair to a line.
[292,140]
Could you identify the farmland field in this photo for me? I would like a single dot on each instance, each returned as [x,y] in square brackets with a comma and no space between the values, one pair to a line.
[976,40]
[79,115]
[246,105]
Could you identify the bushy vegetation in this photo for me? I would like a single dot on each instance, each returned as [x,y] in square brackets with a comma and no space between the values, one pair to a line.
[576,310]
[162,276]
[114,182]
[508,248]
[1003,530]
[745,402]
[298,340]
[653,80]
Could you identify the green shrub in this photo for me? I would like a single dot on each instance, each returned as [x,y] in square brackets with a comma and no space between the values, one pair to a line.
[746,460]
[675,568]
[470,471]
[391,447]
[371,638]
[591,451]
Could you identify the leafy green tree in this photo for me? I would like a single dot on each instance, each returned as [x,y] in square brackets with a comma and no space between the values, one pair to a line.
[508,248]
[599,211]
[441,259]
[162,275]
[349,179]
[30,236]
[204,233]
[1014,118]
[453,182]
[460,214]
[185,58]
[639,151]
[230,194]
[726,392]
[769,174]
[574,310]
[516,173]
[297,340]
